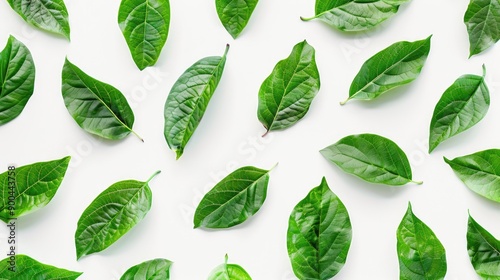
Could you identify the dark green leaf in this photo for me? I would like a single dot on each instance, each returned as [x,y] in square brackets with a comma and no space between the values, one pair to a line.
[111,215]
[49,15]
[421,255]
[462,105]
[34,187]
[355,15]
[399,64]
[319,235]
[17,76]
[235,14]
[27,268]
[189,98]
[234,199]
[227,271]
[157,269]
[484,251]
[482,20]
[286,95]
[480,172]
[145,24]
[372,158]
[97,107]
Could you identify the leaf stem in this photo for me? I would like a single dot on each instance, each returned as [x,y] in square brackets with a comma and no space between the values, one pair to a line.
[274,166]
[226,51]
[140,138]
[154,175]
[264,135]
[307,18]
[344,102]
[484,70]
[417,182]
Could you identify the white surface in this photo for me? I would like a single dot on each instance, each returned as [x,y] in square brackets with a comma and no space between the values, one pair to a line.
[229,137]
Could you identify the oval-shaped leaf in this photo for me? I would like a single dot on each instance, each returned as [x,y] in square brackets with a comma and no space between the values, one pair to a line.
[319,235]
[96,107]
[484,251]
[482,20]
[48,15]
[227,271]
[31,187]
[111,215]
[372,158]
[480,172]
[421,255]
[355,15]
[397,65]
[145,24]
[17,76]
[26,268]
[462,105]
[286,95]
[234,199]
[189,98]
[157,269]
[235,14]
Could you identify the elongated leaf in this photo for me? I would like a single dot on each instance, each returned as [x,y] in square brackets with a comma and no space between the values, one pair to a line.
[319,235]
[157,269]
[482,20]
[234,199]
[484,251]
[355,15]
[235,14]
[227,271]
[48,15]
[480,172]
[145,24]
[17,77]
[96,107]
[31,187]
[399,64]
[372,158]
[189,98]
[111,215]
[421,255]
[27,268]
[286,95]
[462,105]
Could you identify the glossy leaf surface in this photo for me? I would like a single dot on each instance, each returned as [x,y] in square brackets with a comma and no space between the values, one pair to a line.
[484,251]
[235,14]
[157,269]
[29,269]
[482,20]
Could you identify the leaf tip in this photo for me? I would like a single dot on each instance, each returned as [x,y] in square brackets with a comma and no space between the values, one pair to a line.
[178,154]
[267,132]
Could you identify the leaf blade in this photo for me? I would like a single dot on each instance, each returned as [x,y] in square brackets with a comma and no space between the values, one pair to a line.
[28,268]
[227,271]
[235,14]
[149,270]
[484,251]
[145,25]
[482,20]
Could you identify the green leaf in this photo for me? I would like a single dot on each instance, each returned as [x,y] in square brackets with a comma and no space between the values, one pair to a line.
[27,268]
[145,24]
[235,14]
[355,15]
[189,98]
[96,107]
[32,187]
[234,199]
[319,235]
[48,15]
[111,215]
[227,271]
[372,158]
[480,172]
[17,76]
[462,105]
[482,20]
[157,269]
[397,65]
[286,95]
[421,255]
[484,251]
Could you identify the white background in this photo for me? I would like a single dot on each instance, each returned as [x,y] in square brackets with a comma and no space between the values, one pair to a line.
[229,137]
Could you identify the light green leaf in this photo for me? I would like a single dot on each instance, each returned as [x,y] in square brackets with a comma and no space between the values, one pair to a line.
[484,251]
[27,268]
[235,14]
[17,77]
[462,106]
[111,215]
[189,98]
[319,235]
[286,95]
[157,269]
[227,271]
[145,24]
[397,65]
[482,20]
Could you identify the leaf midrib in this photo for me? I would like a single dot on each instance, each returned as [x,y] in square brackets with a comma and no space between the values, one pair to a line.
[484,239]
